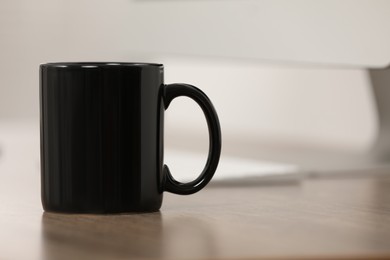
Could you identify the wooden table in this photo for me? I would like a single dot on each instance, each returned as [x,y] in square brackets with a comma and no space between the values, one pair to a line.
[345,218]
[338,216]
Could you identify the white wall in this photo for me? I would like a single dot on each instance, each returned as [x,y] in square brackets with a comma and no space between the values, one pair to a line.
[294,104]
[314,105]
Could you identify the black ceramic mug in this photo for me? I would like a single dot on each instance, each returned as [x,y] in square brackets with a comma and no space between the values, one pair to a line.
[102,137]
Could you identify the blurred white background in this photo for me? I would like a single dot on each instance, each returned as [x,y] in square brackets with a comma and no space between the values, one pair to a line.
[279,71]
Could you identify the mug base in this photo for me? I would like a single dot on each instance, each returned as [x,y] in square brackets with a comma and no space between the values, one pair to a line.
[100,212]
[69,209]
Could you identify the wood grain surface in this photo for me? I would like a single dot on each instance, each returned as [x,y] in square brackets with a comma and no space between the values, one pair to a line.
[337,218]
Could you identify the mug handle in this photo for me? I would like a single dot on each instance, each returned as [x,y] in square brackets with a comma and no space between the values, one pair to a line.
[172,91]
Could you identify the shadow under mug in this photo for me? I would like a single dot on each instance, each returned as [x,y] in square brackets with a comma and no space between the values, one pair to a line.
[101,127]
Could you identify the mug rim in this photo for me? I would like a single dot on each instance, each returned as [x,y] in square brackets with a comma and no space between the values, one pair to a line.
[92,64]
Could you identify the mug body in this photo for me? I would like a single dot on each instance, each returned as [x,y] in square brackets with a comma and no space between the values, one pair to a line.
[101,127]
